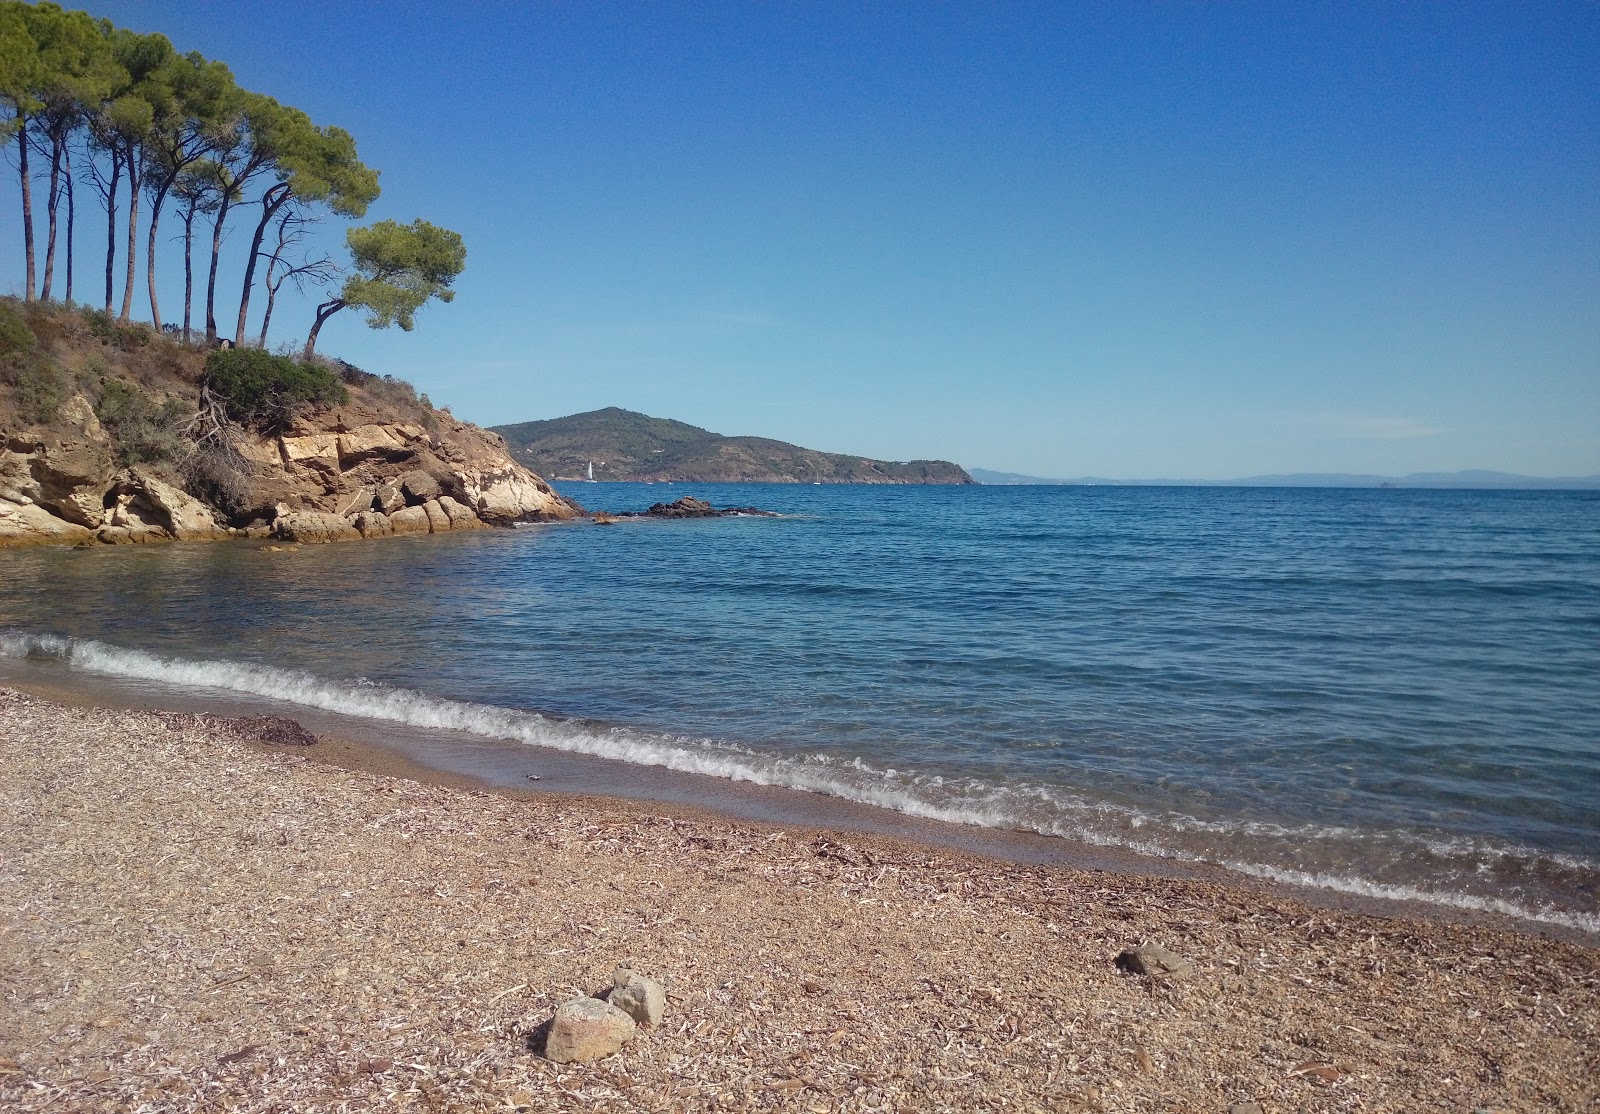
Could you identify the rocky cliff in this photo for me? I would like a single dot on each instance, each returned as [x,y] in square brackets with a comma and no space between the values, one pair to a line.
[75,468]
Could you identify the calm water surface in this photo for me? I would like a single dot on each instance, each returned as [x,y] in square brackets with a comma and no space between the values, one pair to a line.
[1385,692]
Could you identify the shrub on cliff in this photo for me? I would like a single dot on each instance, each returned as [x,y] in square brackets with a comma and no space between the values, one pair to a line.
[266,392]
[41,389]
[145,431]
[129,336]
[16,342]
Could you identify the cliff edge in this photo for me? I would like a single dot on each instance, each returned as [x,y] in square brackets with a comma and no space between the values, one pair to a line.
[107,435]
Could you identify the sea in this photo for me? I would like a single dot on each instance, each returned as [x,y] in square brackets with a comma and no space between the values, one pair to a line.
[1379,692]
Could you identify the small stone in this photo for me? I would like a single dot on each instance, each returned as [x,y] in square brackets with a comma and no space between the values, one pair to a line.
[1153,959]
[587,1029]
[639,997]
[1244,1108]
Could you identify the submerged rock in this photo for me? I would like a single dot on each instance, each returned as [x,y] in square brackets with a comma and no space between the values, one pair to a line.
[690,507]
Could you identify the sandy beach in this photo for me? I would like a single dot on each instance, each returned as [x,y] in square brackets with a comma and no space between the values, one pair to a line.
[197,921]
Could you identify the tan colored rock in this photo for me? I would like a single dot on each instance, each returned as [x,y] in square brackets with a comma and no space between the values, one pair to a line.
[461,516]
[641,998]
[372,524]
[419,487]
[318,452]
[314,526]
[17,484]
[181,514]
[357,501]
[587,1029]
[370,442]
[32,524]
[409,520]
[1153,959]
[438,521]
[510,493]
[389,497]
[68,467]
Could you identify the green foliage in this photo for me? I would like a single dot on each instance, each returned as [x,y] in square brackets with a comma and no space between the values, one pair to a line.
[145,431]
[128,336]
[399,267]
[17,342]
[266,391]
[41,389]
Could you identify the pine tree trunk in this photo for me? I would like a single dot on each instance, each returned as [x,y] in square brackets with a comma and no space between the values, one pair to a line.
[27,203]
[111,227]
[188,269]
[324,311]
[269,209]
[159,200]
[71,212]
[272,296]
[211,282]
[133,234]
[54,204]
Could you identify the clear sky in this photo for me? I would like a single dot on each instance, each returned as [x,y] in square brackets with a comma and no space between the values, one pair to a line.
[1130,240]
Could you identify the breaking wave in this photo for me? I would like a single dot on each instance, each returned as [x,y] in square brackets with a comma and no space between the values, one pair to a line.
[1049,810]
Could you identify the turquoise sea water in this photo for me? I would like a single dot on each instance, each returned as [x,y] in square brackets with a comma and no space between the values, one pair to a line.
[1378,691]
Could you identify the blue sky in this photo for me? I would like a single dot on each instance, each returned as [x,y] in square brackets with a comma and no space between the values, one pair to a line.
[1186,240]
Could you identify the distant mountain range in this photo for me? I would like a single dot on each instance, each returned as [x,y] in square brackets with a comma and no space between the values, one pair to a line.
[626,445]
[1474,478]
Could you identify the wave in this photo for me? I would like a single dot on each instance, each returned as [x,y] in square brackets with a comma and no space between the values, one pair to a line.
[1043,809]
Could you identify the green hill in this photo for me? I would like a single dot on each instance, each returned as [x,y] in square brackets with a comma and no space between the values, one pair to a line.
[625,445]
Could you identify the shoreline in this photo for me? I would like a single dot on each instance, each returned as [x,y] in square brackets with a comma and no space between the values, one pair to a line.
[459,760]
[197,916]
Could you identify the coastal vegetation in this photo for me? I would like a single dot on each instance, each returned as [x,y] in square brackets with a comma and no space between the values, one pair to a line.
[626,445]
[114,432]
[147,128]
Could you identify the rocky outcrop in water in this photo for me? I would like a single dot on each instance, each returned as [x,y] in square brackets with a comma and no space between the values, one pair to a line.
[339,476]
[113,433]
[690,507]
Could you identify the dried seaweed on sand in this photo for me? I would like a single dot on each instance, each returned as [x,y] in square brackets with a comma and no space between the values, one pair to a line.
[195,922]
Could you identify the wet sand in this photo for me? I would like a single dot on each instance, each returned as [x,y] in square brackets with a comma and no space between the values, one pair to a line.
[201,922]
[468,760]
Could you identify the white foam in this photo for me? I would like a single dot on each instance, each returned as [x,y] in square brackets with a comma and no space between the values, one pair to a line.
[1586,922]
[1046,810]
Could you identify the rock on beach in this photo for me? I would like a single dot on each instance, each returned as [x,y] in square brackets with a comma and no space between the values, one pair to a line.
[1153,959]
[587,1029]
[641,998]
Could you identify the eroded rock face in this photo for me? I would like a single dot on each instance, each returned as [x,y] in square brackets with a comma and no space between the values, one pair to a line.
[179,513]
[31,524]
[315,526]
[409,520]
[336,476]
[62,468]
[510,493]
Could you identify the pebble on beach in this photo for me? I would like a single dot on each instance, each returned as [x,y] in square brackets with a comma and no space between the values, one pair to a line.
[1153,959]
[587,1029]
[641,998]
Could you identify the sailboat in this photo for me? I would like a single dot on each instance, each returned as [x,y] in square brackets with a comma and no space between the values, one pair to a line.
[591,471]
